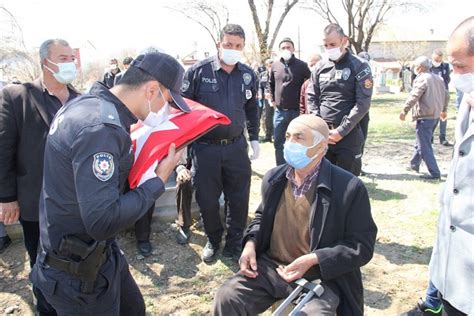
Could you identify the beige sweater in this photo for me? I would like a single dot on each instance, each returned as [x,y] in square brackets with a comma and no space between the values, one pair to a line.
[428,98]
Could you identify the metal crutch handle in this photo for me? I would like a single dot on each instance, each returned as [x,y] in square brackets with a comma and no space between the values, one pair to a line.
[301,284]
[313,289]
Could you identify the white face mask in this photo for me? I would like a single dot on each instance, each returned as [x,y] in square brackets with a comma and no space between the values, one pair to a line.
[66,72]
[286,54]
[464,82]
[436,64]
[334,53]
[231,56]
[154,119]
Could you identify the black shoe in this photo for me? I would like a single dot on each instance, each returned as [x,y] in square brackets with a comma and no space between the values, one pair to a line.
[429,177]
[428,310]
[209,253]
[144,248]
[182,236]
[232,252]
[411,168]
[445,143]
[5,242]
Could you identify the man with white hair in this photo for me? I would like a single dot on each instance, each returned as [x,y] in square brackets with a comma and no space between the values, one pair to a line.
[427,100]
[314,221]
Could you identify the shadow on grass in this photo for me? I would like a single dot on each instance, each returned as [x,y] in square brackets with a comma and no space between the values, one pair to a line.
[403,254]
[377,300]
[383,195]
[259,175]
[395,177]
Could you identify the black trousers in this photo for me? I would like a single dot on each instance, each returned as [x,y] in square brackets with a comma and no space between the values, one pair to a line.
[184,195]
[143,225]
[31,238]
[268,119]
[220,169]
[347,153]
[245,296]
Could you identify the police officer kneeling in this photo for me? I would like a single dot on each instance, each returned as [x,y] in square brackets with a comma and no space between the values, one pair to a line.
[88,155]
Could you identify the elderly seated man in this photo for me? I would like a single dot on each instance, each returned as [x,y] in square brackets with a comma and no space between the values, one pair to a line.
[314,221]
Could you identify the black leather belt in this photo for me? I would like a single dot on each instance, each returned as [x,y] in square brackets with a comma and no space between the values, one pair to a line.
[222,142]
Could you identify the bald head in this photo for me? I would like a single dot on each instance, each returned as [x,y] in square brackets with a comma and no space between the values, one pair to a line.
[314,124]
[460,49]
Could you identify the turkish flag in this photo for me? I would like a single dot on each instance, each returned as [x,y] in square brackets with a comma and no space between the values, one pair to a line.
[151,144]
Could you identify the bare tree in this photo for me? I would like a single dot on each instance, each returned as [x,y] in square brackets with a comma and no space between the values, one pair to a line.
[362,17]
[210,15]
[265,35]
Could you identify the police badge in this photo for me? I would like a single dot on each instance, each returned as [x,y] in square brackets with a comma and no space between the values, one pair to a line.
[346,72]
[247,78]
[185,85]
[103,166]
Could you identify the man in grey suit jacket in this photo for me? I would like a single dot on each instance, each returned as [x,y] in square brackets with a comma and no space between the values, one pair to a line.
[452,260]
[26,112]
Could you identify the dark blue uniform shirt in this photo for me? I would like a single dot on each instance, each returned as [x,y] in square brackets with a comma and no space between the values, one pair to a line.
[340,93]
[443,71]
[88,156]
[233,94]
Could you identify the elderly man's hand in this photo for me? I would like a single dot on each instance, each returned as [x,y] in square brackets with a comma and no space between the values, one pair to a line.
[297,268]
[334,136]
[443,116]
[402,116]
[184,175]
[9,212]
[248,260]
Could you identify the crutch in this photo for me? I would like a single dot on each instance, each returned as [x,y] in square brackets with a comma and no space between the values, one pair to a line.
[313,289]
[302,284]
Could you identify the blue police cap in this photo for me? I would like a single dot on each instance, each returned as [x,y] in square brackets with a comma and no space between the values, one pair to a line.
[166,70]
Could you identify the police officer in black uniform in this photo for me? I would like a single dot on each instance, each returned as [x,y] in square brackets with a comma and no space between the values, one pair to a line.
[340,93]
[220,160]
[88,155]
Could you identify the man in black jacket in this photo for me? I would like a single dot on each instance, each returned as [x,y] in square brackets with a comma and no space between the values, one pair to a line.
[315,222]
[26,112]
[286,78]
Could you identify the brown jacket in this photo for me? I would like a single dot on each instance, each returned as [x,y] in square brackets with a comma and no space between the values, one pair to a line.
[428,98]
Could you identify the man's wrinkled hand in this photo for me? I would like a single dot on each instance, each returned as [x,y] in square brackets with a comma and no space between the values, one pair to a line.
[334,136]
[167,165]
[248,261]
[184,175]
[297,268]
[9,212]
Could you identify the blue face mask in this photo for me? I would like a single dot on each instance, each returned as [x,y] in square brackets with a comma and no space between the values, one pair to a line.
[295,155]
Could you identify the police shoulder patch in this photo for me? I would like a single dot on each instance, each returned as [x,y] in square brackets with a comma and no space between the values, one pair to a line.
[247,78]
[185,85]
[368,83]
[103,166]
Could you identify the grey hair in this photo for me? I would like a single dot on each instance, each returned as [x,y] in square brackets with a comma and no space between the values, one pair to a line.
[232,29]
[333,27]
[422,61]
[317,136]
[438,52]
[45,48]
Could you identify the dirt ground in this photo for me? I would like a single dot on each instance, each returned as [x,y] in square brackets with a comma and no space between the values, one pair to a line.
[174,281]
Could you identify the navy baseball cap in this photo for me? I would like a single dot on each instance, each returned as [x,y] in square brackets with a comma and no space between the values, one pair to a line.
[166,70]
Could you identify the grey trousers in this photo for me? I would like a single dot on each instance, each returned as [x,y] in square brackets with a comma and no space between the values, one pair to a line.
[3,231]
[244,296]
